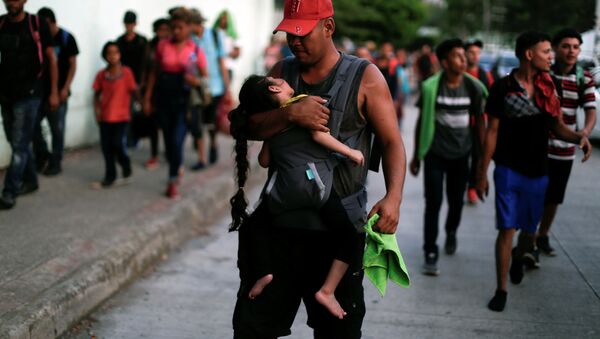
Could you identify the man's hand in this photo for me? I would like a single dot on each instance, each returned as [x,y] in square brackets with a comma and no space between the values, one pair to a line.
[482,187]
[585,145]
[310,113]
[64,95]
[415,165]
[147,107]
[389,214]
[53,101]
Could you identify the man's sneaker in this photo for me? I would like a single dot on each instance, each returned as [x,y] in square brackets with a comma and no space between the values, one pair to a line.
[516,269]
[7,203]
[52,170]
[198,166]
[172,192]
[27,188]
[472,196]
[106,183]
[543,243]
[430,265]
[450,245]
[213,155]
[151,163]
[531,259]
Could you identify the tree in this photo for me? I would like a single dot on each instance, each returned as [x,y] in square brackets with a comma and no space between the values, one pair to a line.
[395,21]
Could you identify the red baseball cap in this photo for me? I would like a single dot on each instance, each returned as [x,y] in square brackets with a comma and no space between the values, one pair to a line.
[301,16]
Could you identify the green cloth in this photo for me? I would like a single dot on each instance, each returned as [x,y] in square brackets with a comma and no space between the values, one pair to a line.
[429,91]
[382,259]
[230,31]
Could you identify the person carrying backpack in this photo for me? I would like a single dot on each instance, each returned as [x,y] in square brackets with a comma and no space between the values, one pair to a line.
[65,48]
[300,242]
[26,46]
[444,140]
[577,91]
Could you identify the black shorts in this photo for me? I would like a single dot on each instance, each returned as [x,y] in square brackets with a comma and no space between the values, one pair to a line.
[209,113]
[300,260]
[558,176]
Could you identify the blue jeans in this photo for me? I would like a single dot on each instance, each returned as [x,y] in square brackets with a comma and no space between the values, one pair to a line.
[19,120]
[56,121]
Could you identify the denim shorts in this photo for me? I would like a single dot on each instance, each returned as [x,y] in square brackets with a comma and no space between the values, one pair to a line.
[519,199]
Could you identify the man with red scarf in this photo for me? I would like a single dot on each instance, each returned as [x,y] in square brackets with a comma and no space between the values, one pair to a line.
[523,107]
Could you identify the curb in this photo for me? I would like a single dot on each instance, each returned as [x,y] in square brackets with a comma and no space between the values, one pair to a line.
[55,310]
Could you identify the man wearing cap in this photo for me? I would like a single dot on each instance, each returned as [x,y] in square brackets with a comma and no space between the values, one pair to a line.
[133,48]
[301,247]
[473,52]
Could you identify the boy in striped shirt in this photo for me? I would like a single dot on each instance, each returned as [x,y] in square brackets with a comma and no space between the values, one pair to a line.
[577,91]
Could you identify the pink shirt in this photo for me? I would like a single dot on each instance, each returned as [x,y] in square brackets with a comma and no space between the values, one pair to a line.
[172,60]
[115,97]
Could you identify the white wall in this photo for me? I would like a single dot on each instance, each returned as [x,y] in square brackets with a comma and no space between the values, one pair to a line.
[93,22]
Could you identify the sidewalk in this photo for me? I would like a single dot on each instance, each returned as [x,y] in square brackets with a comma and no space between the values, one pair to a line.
[66,248]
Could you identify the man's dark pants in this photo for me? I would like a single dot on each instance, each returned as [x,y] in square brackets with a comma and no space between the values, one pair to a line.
[300,260]
[56,121]
[457,173]
[19,120]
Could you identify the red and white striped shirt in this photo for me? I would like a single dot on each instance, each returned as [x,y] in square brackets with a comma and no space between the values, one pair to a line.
[573,96]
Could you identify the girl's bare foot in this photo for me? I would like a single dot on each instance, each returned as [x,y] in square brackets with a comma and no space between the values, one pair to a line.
[259,285]
[330,302]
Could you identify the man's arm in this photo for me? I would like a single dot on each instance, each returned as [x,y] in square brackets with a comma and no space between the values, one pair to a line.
[564,133]
[53,99]
[590,121]
[415,163]
[309,112]
[64,92]
[489,147]
[375,103]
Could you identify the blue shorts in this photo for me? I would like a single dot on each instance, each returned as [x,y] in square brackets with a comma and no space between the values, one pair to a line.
[519,199]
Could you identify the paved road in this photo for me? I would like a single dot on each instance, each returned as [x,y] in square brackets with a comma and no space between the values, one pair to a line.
[191,294]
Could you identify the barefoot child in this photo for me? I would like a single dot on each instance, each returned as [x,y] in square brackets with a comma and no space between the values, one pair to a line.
[113,89]
[260,94]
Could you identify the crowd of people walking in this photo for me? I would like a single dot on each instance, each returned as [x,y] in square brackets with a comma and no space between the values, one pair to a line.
[168,85]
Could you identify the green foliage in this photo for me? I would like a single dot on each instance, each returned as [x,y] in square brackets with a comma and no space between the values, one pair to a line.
[396,21]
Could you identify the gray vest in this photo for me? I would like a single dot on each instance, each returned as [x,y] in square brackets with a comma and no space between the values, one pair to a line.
[302,172]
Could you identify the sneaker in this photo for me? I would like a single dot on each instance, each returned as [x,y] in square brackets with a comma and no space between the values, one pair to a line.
[450,245]
[52,170]
[213,155]
[516,269]
[198,166]
[531,259]
[151,163]
[27,188]
[498,301]
[106,183]
[543,244]
[172,192]
[7,203]
[472,197]
[430,265]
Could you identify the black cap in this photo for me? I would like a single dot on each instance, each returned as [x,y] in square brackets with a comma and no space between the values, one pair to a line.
[473,42]
[130,18]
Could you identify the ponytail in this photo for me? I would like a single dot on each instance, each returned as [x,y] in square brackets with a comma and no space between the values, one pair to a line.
[239,203]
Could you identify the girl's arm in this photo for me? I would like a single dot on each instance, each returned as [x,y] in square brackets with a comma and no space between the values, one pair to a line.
[97,107]
[264,157]
[329,142]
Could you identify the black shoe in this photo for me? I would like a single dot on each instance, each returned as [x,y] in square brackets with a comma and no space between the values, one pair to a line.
[213,155]
[52,170]
[498,301]
[7,203]
[41,162]
[543,243]
[127,172]
[106,183]
[450,245]
[516,269]
[531,259]
[27,188]
[430,265]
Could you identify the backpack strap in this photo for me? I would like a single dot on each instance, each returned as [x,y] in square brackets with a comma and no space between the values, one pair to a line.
[580,77]
[35,33]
